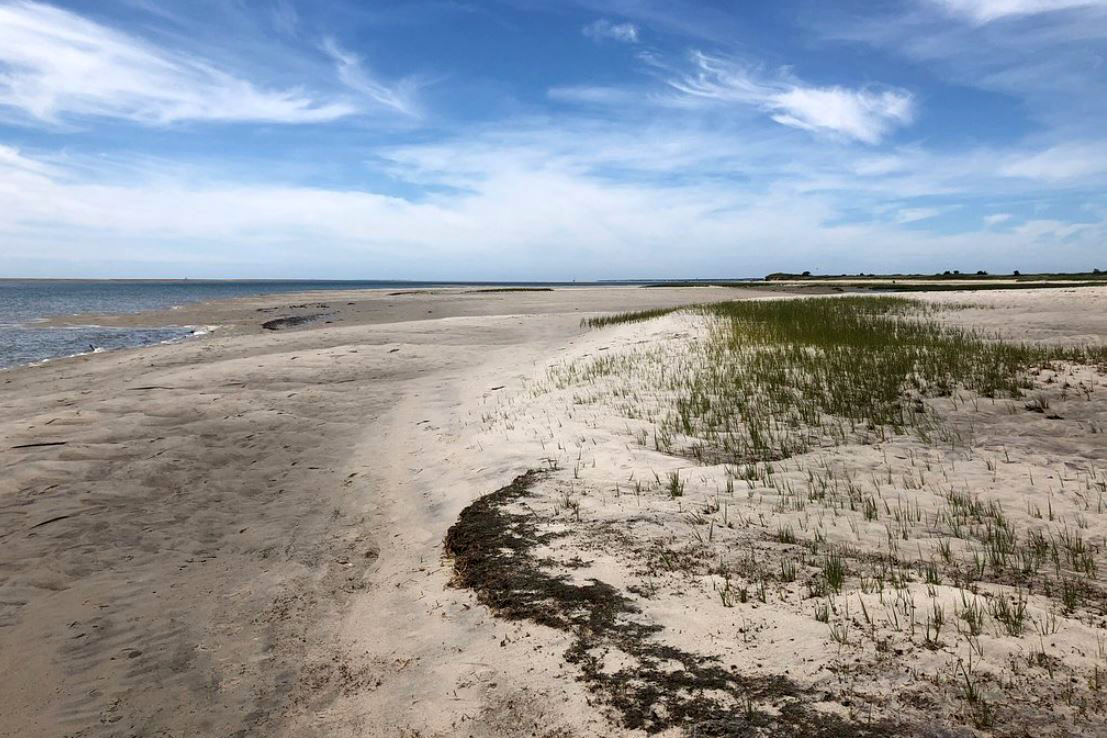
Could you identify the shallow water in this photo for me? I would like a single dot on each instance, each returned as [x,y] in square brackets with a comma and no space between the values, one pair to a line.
[25,304]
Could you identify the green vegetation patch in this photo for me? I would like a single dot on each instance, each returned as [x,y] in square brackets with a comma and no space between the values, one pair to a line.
[636,316]
[776,378]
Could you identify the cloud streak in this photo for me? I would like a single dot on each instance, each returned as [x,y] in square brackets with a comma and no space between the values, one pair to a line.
[604,29]
[986,11]
[399,98]
[1045,54]
[862,114]
[1073,160]
[56,65]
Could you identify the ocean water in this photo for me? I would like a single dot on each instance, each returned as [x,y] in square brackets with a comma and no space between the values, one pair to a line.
[25,304]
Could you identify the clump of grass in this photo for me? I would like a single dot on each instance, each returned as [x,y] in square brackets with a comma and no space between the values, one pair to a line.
[1071,594]
[635,316]
[676,485]
[788,570]
[1011,614]
[972,613]
[834,570]
[982,713]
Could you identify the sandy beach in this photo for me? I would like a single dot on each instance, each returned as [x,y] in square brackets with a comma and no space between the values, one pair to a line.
[407,514]
[227,535]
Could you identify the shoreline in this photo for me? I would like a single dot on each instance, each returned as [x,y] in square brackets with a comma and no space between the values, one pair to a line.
[169,317]
[190,315]
[195,332]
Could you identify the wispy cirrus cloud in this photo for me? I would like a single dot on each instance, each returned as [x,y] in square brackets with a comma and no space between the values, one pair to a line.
[912,215]
[605,29]
[399,97]
[598,95]
[13,163]
[865,114]
[986,11]
[1046,54]
[1072,160]
[56,65]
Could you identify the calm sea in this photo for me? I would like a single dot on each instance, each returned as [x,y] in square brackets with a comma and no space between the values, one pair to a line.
[25,304]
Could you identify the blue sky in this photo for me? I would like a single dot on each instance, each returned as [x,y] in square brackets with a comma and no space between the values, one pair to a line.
[527,139]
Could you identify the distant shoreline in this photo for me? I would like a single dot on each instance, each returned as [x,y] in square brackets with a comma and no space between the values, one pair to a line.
[384,283]
[1096,276]
[108,314]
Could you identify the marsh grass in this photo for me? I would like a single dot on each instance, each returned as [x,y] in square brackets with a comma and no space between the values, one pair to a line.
[636,316]
[778,378]
[748,384]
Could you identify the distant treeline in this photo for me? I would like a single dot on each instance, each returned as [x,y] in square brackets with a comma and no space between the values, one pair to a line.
[950,274]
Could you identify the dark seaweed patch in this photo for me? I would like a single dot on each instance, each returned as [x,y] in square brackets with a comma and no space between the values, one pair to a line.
[291,321]
[664,687]
[509,289]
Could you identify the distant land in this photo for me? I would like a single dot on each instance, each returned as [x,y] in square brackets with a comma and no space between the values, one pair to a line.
[867,282]
[950,274]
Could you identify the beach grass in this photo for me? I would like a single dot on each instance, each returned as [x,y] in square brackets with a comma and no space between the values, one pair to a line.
[776,378]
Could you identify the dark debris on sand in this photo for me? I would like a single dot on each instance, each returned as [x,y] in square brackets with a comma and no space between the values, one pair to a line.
[291,321]
[493,555]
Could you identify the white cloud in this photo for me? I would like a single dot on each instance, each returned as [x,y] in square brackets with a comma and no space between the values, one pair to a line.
[863,114]
[605,29]
[14,163]
[1068,161]
[1054,233]
[880,166]
[399,97]
[986,11]
[996,218]
[593,95]
[1048,63]
[56,64]
[911,215]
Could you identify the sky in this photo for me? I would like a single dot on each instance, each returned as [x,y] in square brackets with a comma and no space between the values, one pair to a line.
[550,140]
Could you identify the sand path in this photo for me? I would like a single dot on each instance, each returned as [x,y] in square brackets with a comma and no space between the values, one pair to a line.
[418,655]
